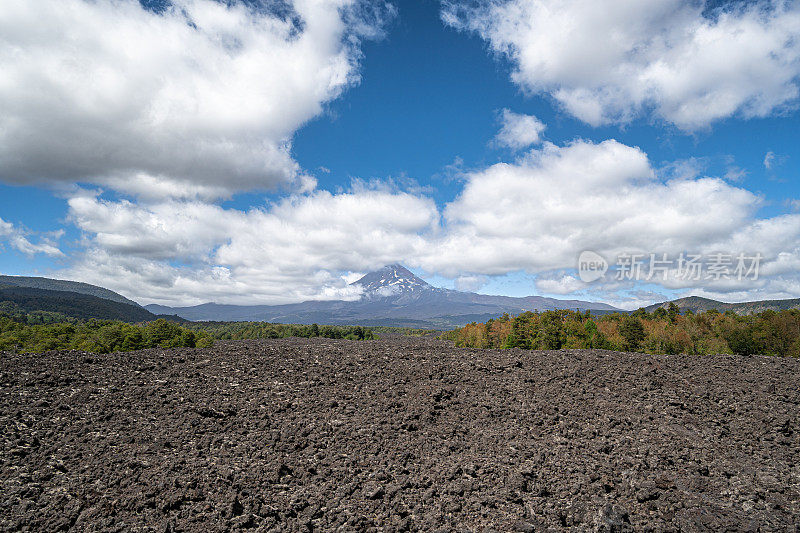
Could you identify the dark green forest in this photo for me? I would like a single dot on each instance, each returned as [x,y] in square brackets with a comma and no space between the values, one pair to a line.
[266,330]
[36,320]
[72,304]
[664,331]
[40,331]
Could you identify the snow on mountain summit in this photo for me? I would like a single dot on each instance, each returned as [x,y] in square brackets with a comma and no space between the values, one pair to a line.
[392,280]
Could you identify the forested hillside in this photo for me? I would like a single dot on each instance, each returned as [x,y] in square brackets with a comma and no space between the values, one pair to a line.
[63,285]
[697,304]
[72,304]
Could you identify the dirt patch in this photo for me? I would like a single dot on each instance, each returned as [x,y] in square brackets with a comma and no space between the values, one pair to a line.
[397,434]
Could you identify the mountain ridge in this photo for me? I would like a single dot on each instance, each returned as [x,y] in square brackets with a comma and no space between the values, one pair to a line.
[68,303]
[392,295]
[36,282]
[698,304]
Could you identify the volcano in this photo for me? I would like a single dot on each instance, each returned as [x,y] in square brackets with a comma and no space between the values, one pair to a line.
[392,280]
[391,296]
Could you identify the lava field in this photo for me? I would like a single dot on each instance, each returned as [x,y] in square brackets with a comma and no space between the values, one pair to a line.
[398,434]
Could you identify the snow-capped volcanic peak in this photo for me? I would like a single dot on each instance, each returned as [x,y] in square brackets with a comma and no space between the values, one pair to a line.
[390,280]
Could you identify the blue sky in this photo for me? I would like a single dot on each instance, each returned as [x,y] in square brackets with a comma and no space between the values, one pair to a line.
[408,119]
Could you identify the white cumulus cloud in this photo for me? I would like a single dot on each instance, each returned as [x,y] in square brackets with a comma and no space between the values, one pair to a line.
[538,213]
[201,99]
[18,239]
[541,211]
[563,284]
[608,62]
[519,131]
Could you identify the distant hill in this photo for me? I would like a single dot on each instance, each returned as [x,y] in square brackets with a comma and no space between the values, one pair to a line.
[65,286]
[392,296]
[73,304]
[697,304]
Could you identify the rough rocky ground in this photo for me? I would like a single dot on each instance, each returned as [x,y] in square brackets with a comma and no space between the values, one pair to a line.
[397,434]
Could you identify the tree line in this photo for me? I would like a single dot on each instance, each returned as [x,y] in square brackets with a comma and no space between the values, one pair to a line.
[99,336]
[42,331]
[664,331]
[267,330]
